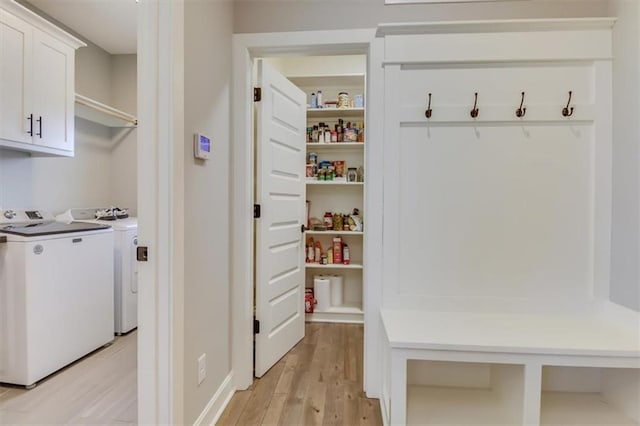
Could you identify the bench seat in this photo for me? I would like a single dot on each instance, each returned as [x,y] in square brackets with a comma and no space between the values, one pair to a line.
[528,341]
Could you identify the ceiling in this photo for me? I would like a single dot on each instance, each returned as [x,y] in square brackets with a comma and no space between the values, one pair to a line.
[111,24]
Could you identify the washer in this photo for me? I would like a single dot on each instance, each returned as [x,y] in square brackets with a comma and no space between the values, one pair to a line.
[125,264]
[56,280]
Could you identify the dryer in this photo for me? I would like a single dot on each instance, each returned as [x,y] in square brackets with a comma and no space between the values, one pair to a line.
[125,230]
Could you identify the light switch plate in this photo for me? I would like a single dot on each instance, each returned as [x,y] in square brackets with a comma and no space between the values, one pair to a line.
[202,368]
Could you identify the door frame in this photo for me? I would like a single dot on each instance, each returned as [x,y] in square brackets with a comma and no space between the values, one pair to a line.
[161,211]
[246,48]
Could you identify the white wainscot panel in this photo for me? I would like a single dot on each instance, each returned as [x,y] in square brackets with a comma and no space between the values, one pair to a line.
[496,211]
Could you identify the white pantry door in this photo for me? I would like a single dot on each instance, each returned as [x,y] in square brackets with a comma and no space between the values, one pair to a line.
[280,190]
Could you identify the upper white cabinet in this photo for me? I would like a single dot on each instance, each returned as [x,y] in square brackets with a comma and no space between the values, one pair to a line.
[36,83]
[15,68]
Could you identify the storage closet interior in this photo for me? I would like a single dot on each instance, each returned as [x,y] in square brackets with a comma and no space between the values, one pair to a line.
[335,178]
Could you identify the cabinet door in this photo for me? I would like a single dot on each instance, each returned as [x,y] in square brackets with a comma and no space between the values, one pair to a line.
[15,87]
[53,76]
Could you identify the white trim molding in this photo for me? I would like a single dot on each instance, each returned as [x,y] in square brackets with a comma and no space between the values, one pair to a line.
[246,47]
[216,405]
[160,209]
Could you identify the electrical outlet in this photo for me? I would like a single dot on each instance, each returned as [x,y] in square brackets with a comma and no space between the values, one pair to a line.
[202,368]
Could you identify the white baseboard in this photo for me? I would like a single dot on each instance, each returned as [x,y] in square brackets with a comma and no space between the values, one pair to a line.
[217,404]
[384,411]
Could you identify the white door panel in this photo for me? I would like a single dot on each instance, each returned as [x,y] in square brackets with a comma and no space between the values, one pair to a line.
[53,75]
[15,89]
[280,189]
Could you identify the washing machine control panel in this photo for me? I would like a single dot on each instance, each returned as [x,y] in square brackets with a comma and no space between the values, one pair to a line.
[11,216]
[34,215]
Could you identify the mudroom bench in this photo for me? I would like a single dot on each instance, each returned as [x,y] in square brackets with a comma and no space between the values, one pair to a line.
[493,368]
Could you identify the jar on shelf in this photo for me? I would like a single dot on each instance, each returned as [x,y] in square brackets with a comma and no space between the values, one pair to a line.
[338,222]
[328,220]
[343,100]
[352,174]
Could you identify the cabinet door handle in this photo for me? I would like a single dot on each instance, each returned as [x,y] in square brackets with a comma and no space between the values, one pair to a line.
[30,118]
[39,120]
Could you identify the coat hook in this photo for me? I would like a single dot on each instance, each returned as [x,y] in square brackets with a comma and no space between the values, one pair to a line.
[429,111]
[566,111]
[475,110]
[520,112]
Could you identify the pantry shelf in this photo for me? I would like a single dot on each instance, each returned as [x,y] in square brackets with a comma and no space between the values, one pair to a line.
[348,313]
[333,182]
[342,194]
[97,112]
[334,232]
[335,145]
[335,112]
[332,266]
[335,80]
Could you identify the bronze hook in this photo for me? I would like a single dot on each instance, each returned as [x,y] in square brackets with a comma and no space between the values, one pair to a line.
[566,112]
[475,111]
[520,112]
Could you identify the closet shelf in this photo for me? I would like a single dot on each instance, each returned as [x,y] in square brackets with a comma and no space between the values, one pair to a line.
[333,182]
[334,232]
[335,145]
[332,266]
[328,80]
[97,112]
[348,313]
[335,112]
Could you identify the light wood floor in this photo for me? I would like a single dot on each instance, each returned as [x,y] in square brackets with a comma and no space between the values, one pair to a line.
[318,382]
[98,390]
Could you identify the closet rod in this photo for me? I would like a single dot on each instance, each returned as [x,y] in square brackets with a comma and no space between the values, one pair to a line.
[105,109]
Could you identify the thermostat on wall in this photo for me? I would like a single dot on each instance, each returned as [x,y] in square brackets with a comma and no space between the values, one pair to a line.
[202,146]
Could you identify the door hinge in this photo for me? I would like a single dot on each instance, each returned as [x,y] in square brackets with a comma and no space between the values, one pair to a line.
[256,326]
[256,211]
[302,228]
[257,94]
[142,254]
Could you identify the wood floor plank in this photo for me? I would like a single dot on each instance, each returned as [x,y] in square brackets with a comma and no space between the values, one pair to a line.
[274,412]
[313,408]
[334,405]
[318,382]
[100,388]
[292,410]
[369,412]
[261,395]
[284,383]
[235,408]
[351,410]
[351,357]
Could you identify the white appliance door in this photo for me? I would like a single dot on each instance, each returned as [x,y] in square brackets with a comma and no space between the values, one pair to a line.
[69,300]
[280,190]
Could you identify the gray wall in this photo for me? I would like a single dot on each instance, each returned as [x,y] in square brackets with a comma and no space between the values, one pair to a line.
[625,259]
[207,67]
[124,155]
[255,16]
